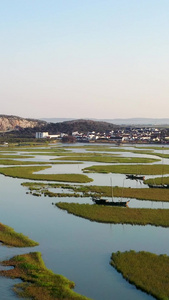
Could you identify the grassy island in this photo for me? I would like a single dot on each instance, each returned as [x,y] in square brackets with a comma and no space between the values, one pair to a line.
[38,282]
[9,237]
[129,169]
[147,271]
[27,173]
[157,180]
[106,158]
[118,215]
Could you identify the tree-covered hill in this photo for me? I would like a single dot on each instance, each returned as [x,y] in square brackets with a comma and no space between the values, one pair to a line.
[80,126]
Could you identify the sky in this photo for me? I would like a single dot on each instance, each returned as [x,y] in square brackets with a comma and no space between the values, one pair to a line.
[98,59]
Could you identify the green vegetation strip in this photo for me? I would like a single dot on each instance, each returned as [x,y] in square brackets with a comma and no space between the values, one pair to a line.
[160,148]
[118,215]
[100,191]
[147,271]
[16,156]
[19,162]
[27,173]
[38,282]
[38,149]
[108,159]
[11,238]
[157,180]
[129,169]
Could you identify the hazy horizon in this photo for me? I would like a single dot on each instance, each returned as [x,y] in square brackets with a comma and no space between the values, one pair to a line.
[92,59]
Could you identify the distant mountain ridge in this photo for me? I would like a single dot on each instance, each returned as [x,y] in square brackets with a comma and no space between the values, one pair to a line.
[68,125]
[129,121]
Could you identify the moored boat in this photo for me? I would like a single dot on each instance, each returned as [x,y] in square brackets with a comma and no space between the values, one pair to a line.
[105,202]
[136,177]
[159,186]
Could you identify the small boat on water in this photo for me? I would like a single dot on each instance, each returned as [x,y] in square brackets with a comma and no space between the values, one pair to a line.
[136,177]
[105,202]
[159,186]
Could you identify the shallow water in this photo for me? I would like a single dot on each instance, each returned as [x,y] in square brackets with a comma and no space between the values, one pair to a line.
[74,247]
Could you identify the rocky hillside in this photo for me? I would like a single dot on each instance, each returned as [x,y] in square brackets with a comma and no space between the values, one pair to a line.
[8,123]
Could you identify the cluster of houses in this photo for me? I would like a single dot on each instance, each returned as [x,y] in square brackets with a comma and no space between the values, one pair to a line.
[123,135]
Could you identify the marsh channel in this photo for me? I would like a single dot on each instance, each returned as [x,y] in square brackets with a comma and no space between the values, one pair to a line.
[74,247]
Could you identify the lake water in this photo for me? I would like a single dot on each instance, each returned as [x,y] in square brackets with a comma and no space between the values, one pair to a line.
[74,247]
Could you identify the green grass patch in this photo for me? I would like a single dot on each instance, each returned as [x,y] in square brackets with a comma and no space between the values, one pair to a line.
[11,238]
[129,169]
[118,215]
[19,162]
[105,158]
[147,271]
[16,156]
[28,173]
[39,282]
[157,180]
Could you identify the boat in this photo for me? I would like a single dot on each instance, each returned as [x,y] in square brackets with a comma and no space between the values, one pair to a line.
[159,186]
[105,202]
[136,177]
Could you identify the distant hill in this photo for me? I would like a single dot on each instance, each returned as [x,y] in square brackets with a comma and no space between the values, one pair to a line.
[8,123]
[26,128]
[79,125]
[130,121]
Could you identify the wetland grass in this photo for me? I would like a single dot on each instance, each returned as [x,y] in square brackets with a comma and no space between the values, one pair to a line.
[27,173]
[118,215]
[107,158]
[11,238]
[102,191]
[129,169]
[39,282]
[147,271]
[157,180]
[22,162]
[15,156]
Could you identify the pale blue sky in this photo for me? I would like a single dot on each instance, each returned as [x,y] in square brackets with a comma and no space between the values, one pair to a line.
[84,59]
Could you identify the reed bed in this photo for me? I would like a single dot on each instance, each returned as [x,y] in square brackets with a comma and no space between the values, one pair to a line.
[22,162]
[158,180]
[108,158]
[27,173]
[11,238]
[129,169]
[17,156]
[38,282]
[118,215]
[147,271]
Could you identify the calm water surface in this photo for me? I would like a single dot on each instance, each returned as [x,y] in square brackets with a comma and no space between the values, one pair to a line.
[76,248]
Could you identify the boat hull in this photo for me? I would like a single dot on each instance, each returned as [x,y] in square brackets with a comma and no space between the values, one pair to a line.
[156,186]
[135,177]
[110,203]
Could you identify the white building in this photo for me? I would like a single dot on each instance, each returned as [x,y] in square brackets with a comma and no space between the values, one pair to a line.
[41,135]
